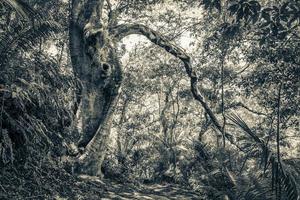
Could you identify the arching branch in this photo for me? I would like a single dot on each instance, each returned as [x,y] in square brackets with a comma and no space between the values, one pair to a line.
[122,31]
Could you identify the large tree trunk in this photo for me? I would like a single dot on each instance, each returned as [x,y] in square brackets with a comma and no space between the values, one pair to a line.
[96,65]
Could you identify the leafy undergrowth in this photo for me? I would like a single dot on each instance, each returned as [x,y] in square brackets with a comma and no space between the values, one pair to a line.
[45,182]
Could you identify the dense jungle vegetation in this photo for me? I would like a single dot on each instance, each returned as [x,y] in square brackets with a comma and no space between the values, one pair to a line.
[150,99]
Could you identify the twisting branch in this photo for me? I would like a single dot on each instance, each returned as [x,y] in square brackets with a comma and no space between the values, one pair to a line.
[122,31]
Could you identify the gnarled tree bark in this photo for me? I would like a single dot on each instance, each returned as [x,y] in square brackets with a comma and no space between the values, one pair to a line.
[96,65]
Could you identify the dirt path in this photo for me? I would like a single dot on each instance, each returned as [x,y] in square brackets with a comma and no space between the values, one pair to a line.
[113,190]
[150,192]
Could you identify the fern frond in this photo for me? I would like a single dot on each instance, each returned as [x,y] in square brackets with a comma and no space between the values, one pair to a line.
[6,150]
[23,9]
[28,37]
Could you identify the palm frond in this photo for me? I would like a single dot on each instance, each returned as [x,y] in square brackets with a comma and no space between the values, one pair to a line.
[289,179]
[280,173]
[243,125]
[260,189]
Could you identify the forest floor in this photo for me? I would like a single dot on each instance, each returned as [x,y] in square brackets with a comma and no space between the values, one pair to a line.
[114,190]
[40,183]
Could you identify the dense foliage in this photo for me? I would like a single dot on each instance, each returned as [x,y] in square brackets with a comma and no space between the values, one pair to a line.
[246,55]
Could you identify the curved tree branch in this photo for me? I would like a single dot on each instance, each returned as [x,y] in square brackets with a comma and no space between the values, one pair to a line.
[122,31]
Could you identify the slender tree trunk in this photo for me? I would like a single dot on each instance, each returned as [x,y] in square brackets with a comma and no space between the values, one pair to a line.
[278,184]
